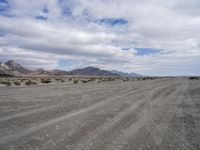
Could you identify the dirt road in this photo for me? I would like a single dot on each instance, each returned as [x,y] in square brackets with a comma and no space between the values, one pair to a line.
[161,114]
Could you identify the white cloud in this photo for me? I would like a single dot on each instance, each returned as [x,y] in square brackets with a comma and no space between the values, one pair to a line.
[171,26]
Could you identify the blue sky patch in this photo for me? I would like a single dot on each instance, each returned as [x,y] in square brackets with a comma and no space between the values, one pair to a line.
[2,33]
[4,6]
[146,51]
[45,10]
[126,49]
[41,18]
[66,11]
[112,21]
[65,63]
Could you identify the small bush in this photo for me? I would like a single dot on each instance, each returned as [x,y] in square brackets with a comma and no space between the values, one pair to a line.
[84,81]
[70,79]
[7,83]
[125,80]
[62,80]
[29,82]
[92,79]
[16,83]
[22,80]
[76,81]
[45,80]
[194,78]
[110,79]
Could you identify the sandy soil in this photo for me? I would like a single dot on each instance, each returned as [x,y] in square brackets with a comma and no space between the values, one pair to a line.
[161,114]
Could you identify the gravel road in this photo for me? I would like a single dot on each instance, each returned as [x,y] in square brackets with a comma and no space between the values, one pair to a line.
[160,114]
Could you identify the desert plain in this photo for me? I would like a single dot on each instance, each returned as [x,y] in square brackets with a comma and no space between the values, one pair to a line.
[100,114]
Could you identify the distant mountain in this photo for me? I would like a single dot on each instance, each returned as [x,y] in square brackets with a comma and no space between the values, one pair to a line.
[5,70]
[39,71]
[92,71]
[13,66]
[3,66]
[123,74]
[57,72]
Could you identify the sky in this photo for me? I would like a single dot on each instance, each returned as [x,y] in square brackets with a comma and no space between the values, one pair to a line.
[149,37]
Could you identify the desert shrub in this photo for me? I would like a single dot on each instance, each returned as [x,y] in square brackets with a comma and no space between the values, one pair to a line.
[91,79]
[45,80]
[22,80]
[16,83]
[29,82]
[84,81]
[110,79]
[70,79]
[76,81]
[194,78]
[7,83]
[126,79]
[62,80]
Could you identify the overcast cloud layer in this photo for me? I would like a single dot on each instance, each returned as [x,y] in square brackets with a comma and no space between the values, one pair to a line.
[151,37]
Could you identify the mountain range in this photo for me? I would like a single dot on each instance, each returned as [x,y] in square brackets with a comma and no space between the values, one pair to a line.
[11,68]
[124,74]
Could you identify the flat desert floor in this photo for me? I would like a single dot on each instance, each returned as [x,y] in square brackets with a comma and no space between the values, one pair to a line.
[160,114]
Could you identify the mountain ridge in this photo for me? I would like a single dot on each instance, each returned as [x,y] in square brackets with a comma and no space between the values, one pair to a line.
[124,74]
[11,68]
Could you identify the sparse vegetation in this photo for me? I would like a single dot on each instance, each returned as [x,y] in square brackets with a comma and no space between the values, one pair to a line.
[29,82]
[16,83]
[58,79]
[194,78]
[84,81]
[92,79]
[45,80]
[7,83]
[110,79]
[126,79]
[22,80]
[76,81]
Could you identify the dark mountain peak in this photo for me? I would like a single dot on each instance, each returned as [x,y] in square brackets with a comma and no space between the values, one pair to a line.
[90,68]
[16,67]
[12,63]
[92,71]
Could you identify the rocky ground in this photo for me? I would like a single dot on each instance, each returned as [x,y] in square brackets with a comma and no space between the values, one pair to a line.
[161,114]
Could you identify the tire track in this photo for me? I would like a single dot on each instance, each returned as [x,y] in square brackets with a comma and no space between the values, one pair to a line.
[112,121]
[136,131]
[98,139]
[34,128]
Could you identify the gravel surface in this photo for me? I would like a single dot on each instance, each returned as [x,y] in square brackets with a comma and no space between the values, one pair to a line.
[160,114]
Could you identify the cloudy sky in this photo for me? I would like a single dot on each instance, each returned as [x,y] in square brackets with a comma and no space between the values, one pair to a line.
[150,37]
